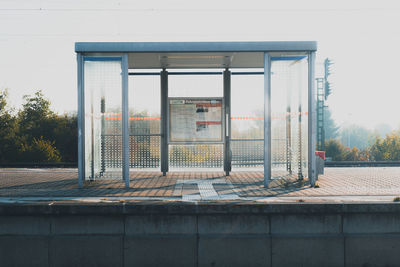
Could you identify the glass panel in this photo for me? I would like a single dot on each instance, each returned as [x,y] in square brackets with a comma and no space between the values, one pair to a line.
[144,122]
[103,119]
[195,85]
[196,156]
[247,121]
[289,124]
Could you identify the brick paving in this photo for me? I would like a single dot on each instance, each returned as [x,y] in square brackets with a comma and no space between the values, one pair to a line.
[376,181]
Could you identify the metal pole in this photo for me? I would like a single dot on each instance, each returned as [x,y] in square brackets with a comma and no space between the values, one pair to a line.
[92,136]
[300,138]
[125,121]
[267,119]
[81,122]
[311,119]
[288,130]
[103,132]
[227,101]
[164,122]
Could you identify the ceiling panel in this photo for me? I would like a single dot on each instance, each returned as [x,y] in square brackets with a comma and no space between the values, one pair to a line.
[202,60]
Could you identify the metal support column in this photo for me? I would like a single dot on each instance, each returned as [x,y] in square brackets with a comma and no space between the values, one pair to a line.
[164,122]
[125,121]
[81,122]
[267,119]
[311,119]
[227,101]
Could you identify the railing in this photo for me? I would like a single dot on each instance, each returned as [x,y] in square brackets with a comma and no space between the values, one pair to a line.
[362,163]
[39,165]
[241,161]
[247,152]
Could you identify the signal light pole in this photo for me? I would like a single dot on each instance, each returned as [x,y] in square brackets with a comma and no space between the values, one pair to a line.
[324,89]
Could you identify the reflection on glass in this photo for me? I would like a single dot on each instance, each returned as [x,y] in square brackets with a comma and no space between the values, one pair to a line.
[103,119]
[144,122]
[289,124]
[195,85]
[247,121]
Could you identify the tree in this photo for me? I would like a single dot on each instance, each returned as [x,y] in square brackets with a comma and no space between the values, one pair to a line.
[352,155]
[355,136]
[36,119]
[36,134]
[338,152]
[38,127]
[8,129]
[39,151]
[331,129]
[387,148]
[335,150]
[66,137]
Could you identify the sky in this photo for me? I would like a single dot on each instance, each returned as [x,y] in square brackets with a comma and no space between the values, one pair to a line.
[37,43]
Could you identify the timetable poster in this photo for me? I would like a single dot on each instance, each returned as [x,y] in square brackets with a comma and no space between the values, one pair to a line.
[194,120]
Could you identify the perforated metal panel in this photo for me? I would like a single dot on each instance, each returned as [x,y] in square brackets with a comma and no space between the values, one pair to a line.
[247,152]
[196,156]
[111,154]
[111,146]
[278,142]
[144,151]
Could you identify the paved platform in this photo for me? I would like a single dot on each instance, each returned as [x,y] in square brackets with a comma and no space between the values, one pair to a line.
[337,183]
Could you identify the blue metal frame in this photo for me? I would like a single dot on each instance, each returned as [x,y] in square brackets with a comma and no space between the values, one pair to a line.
[312,175]
[81,112]
[125,121]
[287,58]
[101,58]
[267,119]
[81,122]
[150,47]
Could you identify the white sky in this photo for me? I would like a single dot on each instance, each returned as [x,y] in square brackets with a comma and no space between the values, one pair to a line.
[362,37]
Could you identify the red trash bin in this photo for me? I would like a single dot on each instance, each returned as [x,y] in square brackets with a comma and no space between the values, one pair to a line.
[320,154]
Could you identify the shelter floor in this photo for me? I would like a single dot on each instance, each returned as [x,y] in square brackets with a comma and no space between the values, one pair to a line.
[369,181]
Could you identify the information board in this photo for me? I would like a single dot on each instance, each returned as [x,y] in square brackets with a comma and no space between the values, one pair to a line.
[195,120]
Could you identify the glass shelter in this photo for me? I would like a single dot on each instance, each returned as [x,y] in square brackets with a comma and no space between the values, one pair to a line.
[228,106]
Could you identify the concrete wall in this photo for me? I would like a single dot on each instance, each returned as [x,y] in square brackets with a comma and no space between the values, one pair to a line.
[177,234]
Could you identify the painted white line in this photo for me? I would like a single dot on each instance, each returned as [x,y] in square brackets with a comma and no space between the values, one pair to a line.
[206,190]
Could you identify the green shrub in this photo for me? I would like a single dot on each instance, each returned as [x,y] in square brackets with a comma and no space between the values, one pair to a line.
[40,150]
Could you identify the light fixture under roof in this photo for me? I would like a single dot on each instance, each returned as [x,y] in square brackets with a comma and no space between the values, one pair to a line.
[206,65]
[195,61]
[194,57]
